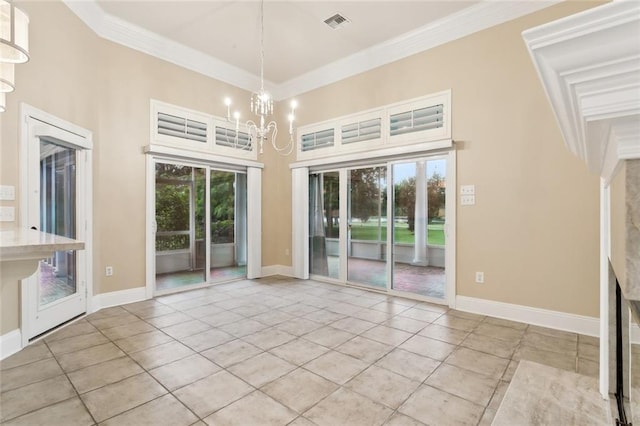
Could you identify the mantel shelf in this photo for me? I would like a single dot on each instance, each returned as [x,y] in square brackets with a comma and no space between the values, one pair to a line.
[589,65]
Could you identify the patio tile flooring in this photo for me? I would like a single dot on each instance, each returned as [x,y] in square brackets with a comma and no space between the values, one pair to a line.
[187,278]
[423,280]
[279,355]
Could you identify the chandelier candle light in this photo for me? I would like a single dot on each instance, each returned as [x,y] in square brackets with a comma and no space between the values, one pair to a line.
[262,106]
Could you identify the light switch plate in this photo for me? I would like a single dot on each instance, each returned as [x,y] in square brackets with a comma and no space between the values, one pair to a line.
[7,214]
[7,192]
[467,189]
[467,200]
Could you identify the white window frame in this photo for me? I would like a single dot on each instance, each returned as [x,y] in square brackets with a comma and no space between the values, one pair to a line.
[253,171]
[427,139]
[163,148]
[357,118]
[443,132]
[319,127]
[208,147]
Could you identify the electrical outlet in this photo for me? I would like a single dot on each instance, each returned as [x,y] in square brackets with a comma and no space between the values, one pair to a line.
[480,277]
[108,271]
[286,252]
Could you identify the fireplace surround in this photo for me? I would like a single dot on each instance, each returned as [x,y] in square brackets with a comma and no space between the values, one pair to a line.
[624,293]
[589,65]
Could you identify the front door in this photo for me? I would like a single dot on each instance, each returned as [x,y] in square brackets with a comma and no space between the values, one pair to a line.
[56,186]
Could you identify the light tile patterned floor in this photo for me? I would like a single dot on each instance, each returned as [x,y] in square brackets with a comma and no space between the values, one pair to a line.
[278,351]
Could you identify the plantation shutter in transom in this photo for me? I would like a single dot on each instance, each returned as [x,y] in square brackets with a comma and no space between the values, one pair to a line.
[227,137]
[321,139]
[181,127]
[417,120]
[362,131]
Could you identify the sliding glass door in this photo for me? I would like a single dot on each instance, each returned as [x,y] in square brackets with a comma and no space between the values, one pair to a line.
[419,192]
[391,233]
[367,231]
[190,200]
[180,226]
[324,224]
[228,195]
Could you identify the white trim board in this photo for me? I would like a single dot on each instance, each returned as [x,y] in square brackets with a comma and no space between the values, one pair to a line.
[536,316]
[116,298]
[10,343]
[271,270]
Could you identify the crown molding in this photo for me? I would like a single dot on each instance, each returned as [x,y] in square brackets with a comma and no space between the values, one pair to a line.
[589,65]
[468,21]
[127,34]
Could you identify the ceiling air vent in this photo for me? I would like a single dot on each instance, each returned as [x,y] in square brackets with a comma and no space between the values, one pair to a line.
[336,21]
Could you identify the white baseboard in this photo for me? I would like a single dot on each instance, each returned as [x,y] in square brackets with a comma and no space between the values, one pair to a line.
[536,316]
[271,270]
[10,343]
[115,298]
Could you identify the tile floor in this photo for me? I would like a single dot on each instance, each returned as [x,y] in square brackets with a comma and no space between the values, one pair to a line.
[543,395]
[278,351]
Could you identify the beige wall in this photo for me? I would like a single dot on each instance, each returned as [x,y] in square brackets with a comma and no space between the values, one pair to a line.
[105,88]
[533,230]
[61,81]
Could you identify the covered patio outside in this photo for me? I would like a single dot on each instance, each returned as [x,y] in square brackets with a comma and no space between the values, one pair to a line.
[422,280]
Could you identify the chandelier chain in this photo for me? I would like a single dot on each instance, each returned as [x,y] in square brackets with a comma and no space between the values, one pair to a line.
[262,46]
[261,104]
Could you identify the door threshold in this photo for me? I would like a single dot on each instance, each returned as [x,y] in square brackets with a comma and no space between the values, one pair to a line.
[56,328]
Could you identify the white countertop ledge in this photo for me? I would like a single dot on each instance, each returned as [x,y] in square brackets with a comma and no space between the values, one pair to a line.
[26,244]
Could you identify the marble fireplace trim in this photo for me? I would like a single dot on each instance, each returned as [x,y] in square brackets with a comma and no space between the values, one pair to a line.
[631,285]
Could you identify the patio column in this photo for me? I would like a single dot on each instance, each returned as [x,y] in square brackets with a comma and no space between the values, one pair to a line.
[420,221]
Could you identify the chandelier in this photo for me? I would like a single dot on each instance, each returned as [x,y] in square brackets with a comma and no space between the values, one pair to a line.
[14,45]
[262,106]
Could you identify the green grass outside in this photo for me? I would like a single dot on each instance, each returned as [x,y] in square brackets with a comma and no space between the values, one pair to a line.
[369,232]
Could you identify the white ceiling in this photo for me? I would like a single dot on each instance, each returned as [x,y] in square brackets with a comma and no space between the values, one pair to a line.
[296,38]
[221,38]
